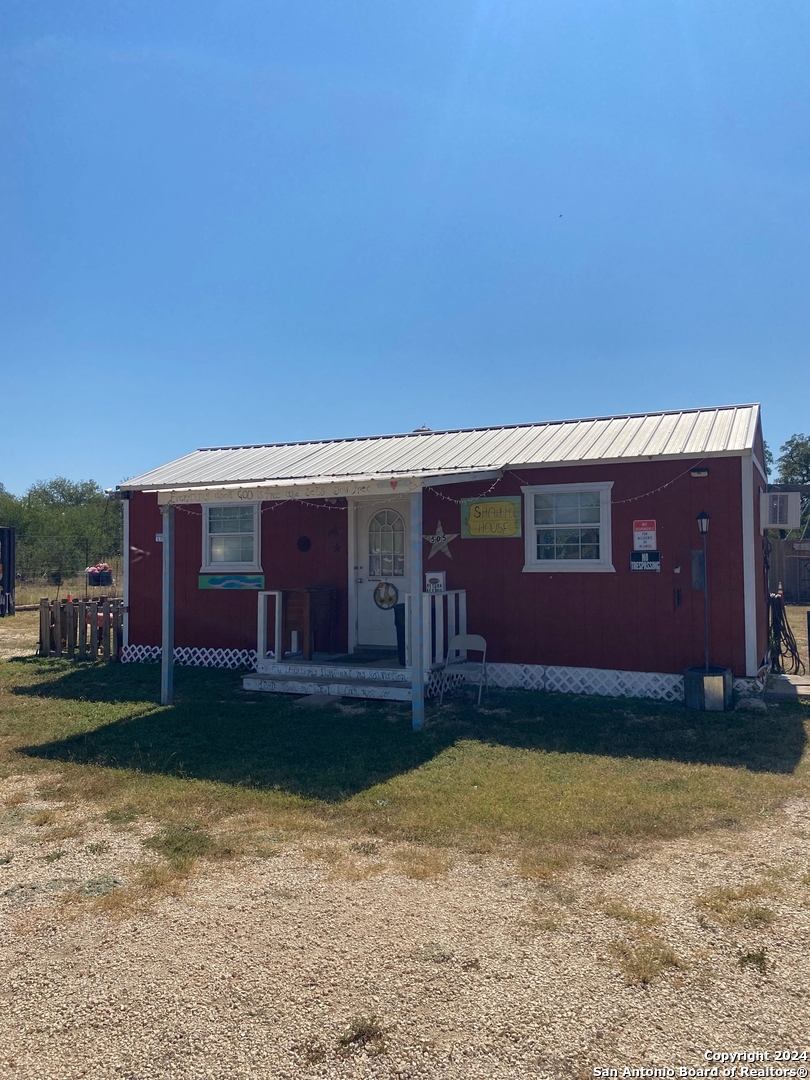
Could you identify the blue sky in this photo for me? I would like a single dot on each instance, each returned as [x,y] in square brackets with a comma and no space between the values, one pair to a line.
[245,221]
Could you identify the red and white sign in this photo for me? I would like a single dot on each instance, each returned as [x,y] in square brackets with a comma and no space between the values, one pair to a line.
[644,535]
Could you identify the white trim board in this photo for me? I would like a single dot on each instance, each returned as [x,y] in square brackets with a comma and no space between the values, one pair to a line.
[288,490]
[749,566]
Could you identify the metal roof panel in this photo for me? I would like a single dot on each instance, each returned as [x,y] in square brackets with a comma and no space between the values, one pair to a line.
[727,429]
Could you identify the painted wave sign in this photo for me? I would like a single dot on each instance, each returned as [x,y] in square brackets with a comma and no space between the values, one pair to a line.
[231,581]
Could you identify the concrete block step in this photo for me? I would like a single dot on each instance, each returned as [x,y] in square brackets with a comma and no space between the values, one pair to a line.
[787,687]
[340,672]
[353,688]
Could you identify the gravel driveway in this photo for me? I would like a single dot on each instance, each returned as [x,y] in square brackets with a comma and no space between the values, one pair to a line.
[333,962]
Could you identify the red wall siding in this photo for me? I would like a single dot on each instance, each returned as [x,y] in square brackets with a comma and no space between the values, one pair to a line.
[621,620]
[624,620]
[145,569]
[225,618]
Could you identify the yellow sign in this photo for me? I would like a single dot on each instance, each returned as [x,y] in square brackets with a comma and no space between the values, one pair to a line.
[490,518]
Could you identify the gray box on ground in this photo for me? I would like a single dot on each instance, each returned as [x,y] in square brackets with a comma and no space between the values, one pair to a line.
[708,690]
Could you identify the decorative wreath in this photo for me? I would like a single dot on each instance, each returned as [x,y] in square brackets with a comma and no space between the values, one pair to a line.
[386,595]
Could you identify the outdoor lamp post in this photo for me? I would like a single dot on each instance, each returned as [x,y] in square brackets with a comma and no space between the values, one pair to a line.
[706,687]
[703,529]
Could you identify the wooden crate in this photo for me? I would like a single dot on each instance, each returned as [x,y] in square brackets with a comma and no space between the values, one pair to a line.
[313,614]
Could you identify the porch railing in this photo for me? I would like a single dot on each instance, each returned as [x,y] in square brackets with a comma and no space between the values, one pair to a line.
[444,615]
[303,619]
[261,636]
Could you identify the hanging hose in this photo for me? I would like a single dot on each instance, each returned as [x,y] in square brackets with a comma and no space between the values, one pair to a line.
[781,642]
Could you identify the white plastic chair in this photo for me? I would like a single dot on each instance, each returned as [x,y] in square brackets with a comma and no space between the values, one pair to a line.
[466,643]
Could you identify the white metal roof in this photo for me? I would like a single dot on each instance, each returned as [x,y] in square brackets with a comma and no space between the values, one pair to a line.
[729,429]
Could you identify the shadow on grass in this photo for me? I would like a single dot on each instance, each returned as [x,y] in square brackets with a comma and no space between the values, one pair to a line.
[216,732]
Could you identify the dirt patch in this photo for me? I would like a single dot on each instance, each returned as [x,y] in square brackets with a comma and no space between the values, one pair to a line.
[19,635]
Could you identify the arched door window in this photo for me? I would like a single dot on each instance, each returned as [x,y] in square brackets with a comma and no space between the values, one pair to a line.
[386,545]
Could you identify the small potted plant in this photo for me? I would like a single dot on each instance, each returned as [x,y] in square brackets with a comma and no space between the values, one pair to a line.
[100,574]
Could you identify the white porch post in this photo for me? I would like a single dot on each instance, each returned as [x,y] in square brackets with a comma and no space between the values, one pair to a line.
[127,496]
[417,624]
[167,637]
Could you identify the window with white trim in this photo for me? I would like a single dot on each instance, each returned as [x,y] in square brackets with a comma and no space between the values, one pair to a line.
[386,545]
[231,537]
[567,527]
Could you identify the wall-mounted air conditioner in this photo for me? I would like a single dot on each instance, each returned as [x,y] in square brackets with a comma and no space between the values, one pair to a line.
[780,509]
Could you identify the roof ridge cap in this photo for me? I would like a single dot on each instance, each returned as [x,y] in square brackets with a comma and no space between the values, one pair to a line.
[486,427]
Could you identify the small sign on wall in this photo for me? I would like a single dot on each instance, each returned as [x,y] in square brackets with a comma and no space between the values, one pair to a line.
[649,561]
[644,535]
[435,581]
[491,518]
[231,581]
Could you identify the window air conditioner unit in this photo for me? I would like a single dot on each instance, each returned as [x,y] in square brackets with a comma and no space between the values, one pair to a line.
[780,509]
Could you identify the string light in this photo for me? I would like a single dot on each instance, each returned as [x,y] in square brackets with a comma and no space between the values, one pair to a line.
[646,495]
[457,502]
[301,502]
[269,506]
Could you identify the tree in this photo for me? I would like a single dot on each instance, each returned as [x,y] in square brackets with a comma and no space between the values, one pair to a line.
[794,468]
[794,461]
[62,526]
[768,458]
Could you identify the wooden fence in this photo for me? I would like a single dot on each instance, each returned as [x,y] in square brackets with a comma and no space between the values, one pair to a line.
[81,629]
[790,566]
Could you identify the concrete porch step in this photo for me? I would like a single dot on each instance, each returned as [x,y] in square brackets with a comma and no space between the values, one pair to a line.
[787,687]
[343,672]
[380,690]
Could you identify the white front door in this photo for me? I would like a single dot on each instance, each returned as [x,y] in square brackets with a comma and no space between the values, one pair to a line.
[381,574]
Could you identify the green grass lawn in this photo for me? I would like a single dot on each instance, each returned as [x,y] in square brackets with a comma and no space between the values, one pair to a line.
[532,774]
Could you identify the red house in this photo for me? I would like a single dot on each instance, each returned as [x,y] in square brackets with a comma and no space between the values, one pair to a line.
[572,547]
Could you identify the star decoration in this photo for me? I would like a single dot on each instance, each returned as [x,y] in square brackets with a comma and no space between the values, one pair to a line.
[439,542]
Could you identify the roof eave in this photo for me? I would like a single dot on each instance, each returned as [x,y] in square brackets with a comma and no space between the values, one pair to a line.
[409,478]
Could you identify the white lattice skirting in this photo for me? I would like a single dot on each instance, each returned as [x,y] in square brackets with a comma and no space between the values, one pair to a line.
[447,680]
[572,680]
[748,687]
[218,658]
[558,680]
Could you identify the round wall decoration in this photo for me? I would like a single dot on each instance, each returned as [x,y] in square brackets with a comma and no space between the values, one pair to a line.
[304,543]
[386,595]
